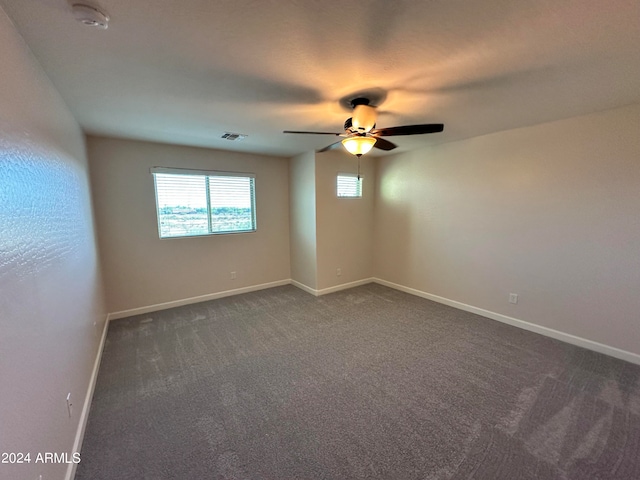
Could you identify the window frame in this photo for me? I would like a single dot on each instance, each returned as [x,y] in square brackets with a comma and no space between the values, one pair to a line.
[350,175]
[210,218]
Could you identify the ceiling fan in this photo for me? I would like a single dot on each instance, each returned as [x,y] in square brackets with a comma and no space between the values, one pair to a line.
[360,132]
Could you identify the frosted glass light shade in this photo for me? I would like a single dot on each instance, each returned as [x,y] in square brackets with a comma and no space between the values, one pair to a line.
[358,145]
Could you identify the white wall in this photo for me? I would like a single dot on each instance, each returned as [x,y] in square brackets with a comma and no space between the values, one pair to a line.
[344,225]
[550,212]
[328,232]
[141,270]
[50,294]
[302,208]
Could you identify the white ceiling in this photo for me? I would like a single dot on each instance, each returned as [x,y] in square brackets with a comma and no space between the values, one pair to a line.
[186,71]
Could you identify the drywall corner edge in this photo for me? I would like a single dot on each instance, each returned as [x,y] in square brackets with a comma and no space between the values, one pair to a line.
[515,322]
[304,287]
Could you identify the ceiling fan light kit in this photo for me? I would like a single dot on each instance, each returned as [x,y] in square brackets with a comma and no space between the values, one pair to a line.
[358,145]
[361,134]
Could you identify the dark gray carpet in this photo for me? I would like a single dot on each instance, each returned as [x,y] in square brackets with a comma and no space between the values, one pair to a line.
[365,383]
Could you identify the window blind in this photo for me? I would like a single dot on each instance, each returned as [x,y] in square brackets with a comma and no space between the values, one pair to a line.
[196,202]
[348,185]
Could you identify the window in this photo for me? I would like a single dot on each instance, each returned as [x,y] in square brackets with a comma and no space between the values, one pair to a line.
[194,202]
[349,185]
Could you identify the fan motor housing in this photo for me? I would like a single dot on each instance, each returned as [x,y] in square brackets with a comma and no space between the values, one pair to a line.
[348,126]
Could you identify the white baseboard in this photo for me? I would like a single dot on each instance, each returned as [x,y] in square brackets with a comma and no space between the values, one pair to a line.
[344,286]
[304,287]
[336,288]
[198,299]
[532,327]
[84,415]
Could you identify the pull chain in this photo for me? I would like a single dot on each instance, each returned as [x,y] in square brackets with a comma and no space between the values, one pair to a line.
[358,167]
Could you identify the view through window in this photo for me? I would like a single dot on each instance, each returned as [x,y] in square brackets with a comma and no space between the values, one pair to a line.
[192,203]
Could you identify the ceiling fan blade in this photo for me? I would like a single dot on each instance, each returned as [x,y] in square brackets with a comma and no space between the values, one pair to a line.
[409,130]
[333,146]
[383,144]
[312,133]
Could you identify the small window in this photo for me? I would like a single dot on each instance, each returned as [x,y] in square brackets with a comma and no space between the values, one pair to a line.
[192,202]
[349,185]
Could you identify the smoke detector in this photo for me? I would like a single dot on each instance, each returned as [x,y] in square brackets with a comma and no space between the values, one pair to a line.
[90,16]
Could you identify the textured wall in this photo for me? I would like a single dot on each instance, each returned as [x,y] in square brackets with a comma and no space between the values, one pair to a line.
[344,225]
[140,270]
[50,293]
[549,212]
[302,212]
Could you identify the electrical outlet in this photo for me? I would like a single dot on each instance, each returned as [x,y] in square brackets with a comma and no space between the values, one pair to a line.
[233,275]
[513,298]
[69,404]
[338,272]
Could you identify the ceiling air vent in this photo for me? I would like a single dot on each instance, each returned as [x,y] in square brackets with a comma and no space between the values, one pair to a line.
[234,137]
